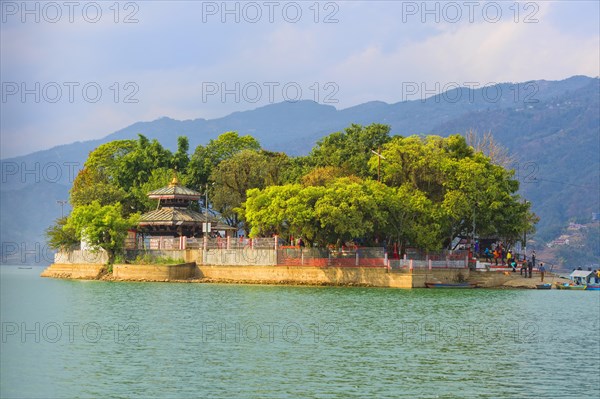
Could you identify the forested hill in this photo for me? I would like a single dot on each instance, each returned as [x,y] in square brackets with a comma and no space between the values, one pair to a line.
[551,126]
[556,145]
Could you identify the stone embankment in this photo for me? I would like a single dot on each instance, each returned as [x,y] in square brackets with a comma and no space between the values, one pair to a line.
[518,281]
[291,275]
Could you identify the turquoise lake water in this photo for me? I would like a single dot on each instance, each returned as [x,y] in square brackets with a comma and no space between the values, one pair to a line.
[78,339]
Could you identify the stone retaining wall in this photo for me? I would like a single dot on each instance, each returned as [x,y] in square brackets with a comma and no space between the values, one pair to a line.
[91,271]
[306,275]
[81,257]
[368,276]
[182,271]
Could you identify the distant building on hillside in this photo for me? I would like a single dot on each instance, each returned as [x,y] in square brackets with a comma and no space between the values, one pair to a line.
[575,226]
[562,240]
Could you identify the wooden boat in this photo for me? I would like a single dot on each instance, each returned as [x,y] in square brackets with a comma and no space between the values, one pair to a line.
[593,287]
[543,286]
[566,286]
[449,285]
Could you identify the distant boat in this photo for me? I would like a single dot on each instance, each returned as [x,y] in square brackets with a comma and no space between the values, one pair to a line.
[543,286]
[450,285]
[580,280]
[24,267]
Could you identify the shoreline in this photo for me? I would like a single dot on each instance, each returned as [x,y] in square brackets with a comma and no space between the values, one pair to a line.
[191,273]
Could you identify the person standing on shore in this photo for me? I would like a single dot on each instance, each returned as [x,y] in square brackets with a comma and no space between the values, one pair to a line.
[487,254]
[530,266]
[523,266]
[496,255]
[542,271]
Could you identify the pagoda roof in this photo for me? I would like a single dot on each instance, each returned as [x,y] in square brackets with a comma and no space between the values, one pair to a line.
[175,216]
[174,190]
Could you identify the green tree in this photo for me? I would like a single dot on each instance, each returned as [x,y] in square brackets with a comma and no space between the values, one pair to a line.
[244,170]
[103,227]
[410,218]
[286,210]
[93,184]
[351,149]
[349,209]
[324,176]
[344,209]
[466,189]
[181,158]
[205,159]
[107,157]
[60,236]
[135,167]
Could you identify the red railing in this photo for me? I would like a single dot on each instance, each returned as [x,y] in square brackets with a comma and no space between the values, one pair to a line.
[321,257]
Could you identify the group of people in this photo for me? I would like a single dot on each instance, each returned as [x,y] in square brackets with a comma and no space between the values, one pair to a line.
[499,252]
[527,267]
[594,278]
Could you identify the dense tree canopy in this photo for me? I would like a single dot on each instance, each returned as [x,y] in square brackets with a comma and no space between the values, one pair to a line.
[244,170]
[434,190]
[359,184]
[345,209]
[205,159]
[351,149]
[123,171]
[468,191]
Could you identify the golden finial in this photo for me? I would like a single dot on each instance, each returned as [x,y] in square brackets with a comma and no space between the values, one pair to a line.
[174,182]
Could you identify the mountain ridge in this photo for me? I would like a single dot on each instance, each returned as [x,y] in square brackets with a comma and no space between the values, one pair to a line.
[556,128]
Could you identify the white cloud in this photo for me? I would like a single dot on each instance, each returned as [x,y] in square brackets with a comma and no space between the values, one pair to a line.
[171,54]
[483,52]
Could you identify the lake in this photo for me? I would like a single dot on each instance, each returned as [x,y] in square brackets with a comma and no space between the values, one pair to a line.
[69,338]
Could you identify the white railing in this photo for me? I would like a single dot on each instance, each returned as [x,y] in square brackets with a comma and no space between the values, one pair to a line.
[179,243]
[411,264]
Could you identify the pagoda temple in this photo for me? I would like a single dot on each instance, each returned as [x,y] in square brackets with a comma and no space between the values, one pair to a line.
[173,216]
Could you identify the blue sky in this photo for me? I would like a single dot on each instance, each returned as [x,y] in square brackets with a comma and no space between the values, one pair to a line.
[86,69]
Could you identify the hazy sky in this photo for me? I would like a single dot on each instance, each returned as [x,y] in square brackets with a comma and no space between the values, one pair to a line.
[81,70]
